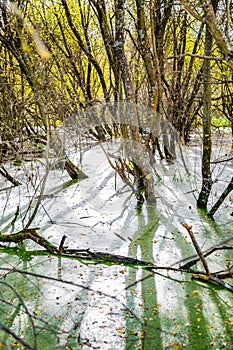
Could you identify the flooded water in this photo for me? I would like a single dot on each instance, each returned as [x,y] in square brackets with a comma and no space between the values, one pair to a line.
[61,303]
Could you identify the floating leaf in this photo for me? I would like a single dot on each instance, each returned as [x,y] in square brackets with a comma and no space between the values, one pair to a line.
[120,331]
[36,312]
[195,291]
[176,325]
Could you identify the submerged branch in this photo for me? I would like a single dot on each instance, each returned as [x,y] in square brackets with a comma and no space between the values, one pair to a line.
[107,258]
[214,280]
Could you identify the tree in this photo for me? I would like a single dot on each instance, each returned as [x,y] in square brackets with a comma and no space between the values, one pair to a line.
[206,122]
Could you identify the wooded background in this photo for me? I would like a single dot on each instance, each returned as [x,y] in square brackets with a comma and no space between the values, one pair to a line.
[58,57]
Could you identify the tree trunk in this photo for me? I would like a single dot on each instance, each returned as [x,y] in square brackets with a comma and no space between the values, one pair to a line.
[206,125]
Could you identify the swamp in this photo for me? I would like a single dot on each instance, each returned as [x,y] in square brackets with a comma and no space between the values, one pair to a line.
[116,185]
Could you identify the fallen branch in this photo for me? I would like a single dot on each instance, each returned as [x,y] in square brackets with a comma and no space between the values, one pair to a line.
[225,193]
[205,254]
[223,275]
[15,216]
[83,254]
[108,258]
[29,233]
[73,170]
[10,178]
[87,254]
[214,280]
[193,262]
[223,159]
[196,246]
[210,277]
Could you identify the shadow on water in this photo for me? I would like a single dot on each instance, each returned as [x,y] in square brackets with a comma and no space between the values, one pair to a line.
[164,310]
[210,325]
[207,320]
[176,312]
[141,292]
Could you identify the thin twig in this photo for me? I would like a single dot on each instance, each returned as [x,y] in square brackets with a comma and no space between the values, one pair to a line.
[61,246]
[196,246]
[16,337]
[207,252]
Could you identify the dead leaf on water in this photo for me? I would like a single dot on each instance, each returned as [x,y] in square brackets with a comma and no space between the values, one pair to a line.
[176,346]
